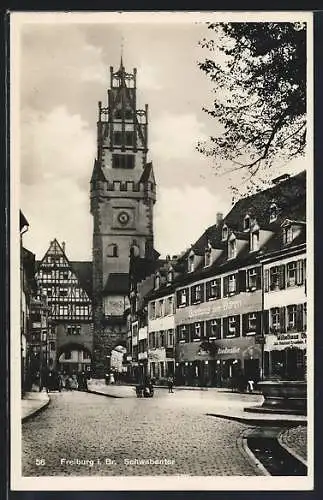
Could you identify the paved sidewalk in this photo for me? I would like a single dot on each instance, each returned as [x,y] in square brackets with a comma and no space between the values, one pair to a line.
[32,403]
[295,441]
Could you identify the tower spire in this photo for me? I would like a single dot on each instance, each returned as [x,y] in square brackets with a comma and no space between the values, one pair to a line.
[121,58]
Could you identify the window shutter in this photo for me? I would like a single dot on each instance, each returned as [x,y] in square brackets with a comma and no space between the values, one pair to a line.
[282,276]
[208,290]
[258,322]
[244,324]
[258,278]
[202,285]
[299,272]
[208,328]
[282,319]
[202,329]
[241,281]
[192,294]
[226,286]
[266,280]
[238,330]
[265,319]
[299,317]
[178,298]
[218,328]
[218,288]
[225,326]
[304,273]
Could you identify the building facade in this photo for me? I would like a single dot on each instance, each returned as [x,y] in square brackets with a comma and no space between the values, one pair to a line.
[239,295]
[123,193]
[67,287]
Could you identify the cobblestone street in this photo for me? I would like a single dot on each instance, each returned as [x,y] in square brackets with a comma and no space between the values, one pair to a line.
[106,432]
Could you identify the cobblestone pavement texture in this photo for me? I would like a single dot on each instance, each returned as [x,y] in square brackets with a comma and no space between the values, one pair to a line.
[85,426]
[296,439]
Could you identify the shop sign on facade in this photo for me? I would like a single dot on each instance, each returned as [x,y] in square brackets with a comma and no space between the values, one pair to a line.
[219,308]
[285,340]
[156,355]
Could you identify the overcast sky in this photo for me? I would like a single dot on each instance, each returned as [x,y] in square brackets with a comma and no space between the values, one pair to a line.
[64,72]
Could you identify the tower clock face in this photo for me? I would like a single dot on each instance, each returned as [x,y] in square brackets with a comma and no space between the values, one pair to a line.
[123,218]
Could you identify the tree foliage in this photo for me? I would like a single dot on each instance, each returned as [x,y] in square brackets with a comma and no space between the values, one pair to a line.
[259,76]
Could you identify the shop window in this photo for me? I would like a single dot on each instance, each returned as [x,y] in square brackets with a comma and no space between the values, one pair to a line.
[291,274]
[291,318]
[232,248]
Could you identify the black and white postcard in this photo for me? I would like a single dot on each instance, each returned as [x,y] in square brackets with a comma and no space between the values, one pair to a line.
[161,251]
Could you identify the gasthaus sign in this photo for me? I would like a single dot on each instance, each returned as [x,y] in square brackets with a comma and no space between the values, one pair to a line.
[241,304]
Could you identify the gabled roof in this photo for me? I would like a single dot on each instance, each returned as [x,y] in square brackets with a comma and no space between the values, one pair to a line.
[83,271]
[289,196]
[117,284]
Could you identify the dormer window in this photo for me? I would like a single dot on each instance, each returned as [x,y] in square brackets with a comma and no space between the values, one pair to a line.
[288,235]
[191,263]
[207,257]
[157,281]
[170,276]
[225,232]
[246,223]
[273,212]
[254,241]
[232,248]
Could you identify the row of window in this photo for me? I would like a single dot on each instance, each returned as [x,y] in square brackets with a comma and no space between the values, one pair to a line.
[126,138]
[163,338]
[285,275]
[292,318]
[55,259]
[73,330]
[71,310]
[72,293]
[55,274]
[162,307]
[125,161]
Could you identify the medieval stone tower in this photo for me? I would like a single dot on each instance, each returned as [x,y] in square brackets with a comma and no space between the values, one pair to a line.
[123,192]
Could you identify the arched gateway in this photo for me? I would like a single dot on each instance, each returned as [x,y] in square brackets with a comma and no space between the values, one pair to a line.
[74,357]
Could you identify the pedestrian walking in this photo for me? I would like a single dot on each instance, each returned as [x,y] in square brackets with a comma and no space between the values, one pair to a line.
[170,382]
[250,385]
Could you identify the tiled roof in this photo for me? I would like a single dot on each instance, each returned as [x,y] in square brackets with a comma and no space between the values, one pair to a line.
[117,284]
[83,270]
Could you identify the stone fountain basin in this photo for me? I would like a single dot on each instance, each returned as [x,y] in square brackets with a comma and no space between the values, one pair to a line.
[282,396]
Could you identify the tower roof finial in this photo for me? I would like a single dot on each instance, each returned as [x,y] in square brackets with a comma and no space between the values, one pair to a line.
[121,59]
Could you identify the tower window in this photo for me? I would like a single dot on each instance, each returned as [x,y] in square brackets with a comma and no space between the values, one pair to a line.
[129,137]
[123,161]
[112,250]
[273,212]
[117,138]
[118,114]
[128,114]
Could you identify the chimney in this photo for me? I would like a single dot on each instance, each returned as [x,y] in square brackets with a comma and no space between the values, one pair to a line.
[219,218]
[63,246]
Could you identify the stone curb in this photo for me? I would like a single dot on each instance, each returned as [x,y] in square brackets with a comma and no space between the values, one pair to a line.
[35,412]
[258,421]
[290,450]
[105,394]
[244,449]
